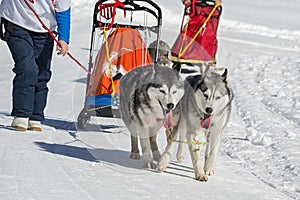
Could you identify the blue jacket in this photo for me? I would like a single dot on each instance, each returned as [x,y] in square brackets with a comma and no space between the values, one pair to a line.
[63,25]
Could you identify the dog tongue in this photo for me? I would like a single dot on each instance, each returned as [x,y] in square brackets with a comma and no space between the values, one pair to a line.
[168,120]
[205,123]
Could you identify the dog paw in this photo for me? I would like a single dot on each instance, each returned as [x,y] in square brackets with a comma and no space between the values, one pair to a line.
[156,155]
[180,159]
[163,162]
[180,153]
[150,165]
[209,168]
[135,156]
[209,172]
[201,177]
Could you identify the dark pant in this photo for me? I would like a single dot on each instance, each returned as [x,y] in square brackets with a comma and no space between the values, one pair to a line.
[32,54]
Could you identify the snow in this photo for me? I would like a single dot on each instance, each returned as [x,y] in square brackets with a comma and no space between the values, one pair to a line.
[259,158]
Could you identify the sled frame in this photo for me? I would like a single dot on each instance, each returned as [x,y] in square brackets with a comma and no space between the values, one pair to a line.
[131,6]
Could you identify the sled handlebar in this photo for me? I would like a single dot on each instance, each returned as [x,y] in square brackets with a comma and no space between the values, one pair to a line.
[190,9]
[105,10]
[109,11]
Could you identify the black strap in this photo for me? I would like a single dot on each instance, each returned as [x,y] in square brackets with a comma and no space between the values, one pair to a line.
[1,29]
[177,66]
[6,28]
[117,76]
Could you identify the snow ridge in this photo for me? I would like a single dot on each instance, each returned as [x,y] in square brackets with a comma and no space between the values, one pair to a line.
[260,30]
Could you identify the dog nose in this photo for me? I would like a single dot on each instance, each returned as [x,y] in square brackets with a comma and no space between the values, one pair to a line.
[170,106]
[208,110]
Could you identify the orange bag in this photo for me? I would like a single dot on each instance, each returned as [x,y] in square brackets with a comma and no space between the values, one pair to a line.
[127,51]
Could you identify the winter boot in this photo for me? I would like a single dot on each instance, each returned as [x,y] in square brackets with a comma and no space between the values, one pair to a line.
[35,126]
[20,123]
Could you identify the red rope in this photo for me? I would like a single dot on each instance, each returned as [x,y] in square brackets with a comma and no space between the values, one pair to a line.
[54,38]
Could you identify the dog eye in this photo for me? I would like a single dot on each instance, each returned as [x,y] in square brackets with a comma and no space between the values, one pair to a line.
[162,91]
[218,97]
[174,92]
[205,95]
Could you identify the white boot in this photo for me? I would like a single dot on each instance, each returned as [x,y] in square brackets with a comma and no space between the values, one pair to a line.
[20,123]
[35,126]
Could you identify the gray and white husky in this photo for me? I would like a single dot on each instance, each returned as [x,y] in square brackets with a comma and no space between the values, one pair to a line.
[147,97]
[204,109]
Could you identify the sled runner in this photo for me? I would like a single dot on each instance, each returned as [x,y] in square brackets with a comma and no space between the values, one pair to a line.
[121,32]
[197,42]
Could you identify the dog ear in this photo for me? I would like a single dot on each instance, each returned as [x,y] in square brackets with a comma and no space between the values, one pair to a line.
[224,75]
[177,66]
[203,86]
[195,82]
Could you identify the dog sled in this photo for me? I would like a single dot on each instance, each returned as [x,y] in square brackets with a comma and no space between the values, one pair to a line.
[197,42]
[121,31]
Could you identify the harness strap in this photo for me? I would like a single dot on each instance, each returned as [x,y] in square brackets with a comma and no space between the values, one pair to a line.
[184,36]
[108,11]
[192,142]
[109,64]
[176,59]
[231,98]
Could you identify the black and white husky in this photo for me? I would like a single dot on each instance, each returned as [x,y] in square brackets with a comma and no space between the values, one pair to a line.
[204,109]
[147,97]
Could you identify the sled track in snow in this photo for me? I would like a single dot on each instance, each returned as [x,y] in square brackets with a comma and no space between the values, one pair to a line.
[259,44]
[271,167]
[289,117]
[274,164]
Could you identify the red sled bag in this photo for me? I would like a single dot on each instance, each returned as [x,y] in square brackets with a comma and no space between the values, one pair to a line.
[197,42]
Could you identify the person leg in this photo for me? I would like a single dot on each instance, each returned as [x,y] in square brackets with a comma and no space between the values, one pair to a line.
[43,50]
[20,44]
[32,53]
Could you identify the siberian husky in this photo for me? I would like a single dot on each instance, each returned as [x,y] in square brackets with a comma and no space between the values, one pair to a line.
[164,53]
[147,97]
[204,109]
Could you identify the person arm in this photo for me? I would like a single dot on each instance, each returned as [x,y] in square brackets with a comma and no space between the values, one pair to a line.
[187,2]
[63,19]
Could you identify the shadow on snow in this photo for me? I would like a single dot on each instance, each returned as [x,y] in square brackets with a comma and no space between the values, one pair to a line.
[108,156]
